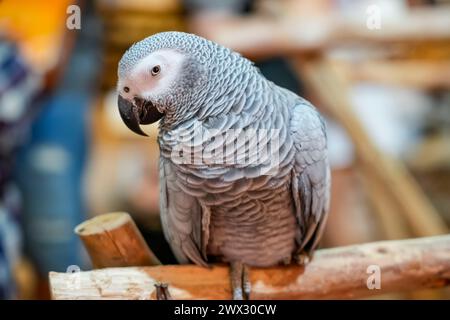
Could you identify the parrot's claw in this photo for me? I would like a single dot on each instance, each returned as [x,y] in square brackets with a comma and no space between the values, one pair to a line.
[303,258]
[240,282]
[246,285]
[162,291]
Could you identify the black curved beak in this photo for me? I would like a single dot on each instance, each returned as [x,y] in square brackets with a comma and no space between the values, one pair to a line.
[137,112]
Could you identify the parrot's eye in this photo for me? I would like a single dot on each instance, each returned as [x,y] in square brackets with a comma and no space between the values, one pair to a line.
[156,70]
[126,89]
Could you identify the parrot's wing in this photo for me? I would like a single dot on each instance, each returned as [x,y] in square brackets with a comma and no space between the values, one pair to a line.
[181,218]
[310,175]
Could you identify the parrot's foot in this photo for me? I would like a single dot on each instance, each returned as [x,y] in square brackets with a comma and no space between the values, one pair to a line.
[162,291]
[240,281]
[303,258]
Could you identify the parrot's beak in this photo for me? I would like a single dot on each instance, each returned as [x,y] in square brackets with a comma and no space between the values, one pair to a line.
[138,112]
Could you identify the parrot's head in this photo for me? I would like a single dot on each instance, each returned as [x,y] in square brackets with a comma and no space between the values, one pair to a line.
[160,77]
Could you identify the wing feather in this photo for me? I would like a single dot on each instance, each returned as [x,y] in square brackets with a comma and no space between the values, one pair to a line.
[185,223]
[310,183]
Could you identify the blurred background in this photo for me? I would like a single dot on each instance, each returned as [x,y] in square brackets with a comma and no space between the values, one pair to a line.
[378,70]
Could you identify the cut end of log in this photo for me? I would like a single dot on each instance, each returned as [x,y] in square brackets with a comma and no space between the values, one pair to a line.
[102,223]
[113,240]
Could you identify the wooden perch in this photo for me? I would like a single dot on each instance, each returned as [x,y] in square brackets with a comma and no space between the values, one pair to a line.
[113,240]
[333,273]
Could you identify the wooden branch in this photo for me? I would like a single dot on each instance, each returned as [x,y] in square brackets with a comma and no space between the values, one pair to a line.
[113,240]
[333,273]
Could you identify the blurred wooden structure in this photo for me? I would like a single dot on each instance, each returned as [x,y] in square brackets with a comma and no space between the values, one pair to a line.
[345,272]
[397,188]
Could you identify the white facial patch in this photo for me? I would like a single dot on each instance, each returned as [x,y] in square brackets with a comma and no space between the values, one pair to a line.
[142,83]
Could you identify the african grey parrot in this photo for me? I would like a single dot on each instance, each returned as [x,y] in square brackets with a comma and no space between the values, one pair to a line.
[216,204]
